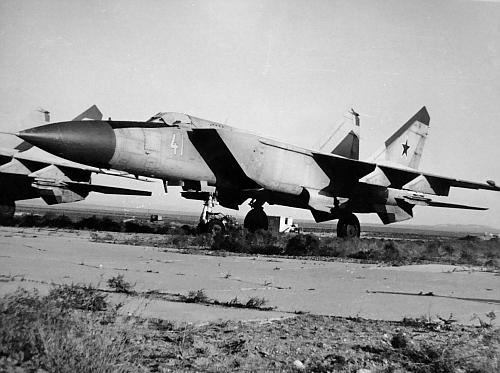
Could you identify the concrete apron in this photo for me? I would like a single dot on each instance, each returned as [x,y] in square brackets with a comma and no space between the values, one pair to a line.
[41,257]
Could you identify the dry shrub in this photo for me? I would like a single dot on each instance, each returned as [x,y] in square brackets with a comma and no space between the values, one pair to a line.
[77,296]
[198,296]
[40,333]
[118,284]
[302,245]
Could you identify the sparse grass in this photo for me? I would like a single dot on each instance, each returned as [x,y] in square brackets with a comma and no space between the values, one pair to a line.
[256,302]
[465,251]
[54,334]
[485,324]
[119,285]
[37,333]
[94,223]
[391,252]
[484,254]
[198,296]
[77,296]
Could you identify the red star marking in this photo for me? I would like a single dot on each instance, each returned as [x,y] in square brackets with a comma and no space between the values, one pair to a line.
[405,149]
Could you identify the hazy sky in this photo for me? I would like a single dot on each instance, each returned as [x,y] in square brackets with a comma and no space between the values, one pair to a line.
[285,69]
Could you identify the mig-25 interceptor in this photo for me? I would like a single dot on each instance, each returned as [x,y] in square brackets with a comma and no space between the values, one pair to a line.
[215,162]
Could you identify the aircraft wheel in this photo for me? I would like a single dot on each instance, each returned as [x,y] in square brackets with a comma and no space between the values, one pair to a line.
[215,226]
[201,228]
[7,210]
[256,219]
[348,227]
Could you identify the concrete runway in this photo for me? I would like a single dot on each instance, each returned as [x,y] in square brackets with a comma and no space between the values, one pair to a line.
[43,256]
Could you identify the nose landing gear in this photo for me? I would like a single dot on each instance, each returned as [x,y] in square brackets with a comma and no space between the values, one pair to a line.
[213,222]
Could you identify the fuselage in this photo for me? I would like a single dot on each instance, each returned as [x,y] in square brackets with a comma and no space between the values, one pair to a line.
[183,150]
[187,153]
[177,152]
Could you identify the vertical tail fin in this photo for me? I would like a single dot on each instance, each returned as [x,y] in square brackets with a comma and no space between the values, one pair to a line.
[91,113]
[406,145]
[343,139]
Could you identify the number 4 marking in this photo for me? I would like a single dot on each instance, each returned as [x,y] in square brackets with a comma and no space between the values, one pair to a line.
[175,146]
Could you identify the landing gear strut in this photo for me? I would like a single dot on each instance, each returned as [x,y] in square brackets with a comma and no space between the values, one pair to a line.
[212,222]
[206,220]
[348,227]
[256,217]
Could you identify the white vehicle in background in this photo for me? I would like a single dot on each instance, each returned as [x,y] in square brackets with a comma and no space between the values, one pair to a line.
[282,224]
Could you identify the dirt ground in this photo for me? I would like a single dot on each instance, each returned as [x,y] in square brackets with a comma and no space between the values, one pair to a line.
[323,344]
[313,323]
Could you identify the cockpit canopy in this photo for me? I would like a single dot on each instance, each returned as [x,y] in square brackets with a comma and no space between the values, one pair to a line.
[171,119]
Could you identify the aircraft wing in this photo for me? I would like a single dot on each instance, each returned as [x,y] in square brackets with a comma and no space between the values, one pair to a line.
[344,173]
[348,173]
[24,178]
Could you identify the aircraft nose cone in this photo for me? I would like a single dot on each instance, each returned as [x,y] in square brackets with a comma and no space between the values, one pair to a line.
[88,142]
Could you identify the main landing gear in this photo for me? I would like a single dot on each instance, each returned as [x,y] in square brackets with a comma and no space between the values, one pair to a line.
[256,217]
[348,227]
[211,222]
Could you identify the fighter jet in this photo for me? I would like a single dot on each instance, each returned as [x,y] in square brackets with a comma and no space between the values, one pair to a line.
[214,162]
[23,176]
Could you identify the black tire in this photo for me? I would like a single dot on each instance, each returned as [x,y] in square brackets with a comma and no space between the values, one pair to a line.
[215,226]
[7,210]
[201,228]
[256,219]
[348,227]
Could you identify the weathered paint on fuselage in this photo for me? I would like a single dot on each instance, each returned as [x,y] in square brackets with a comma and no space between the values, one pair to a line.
[168,153]
[164,153]
[283,174]
[180,148]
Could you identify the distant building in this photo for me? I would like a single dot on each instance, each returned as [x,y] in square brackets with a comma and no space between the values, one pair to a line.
[282,224]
